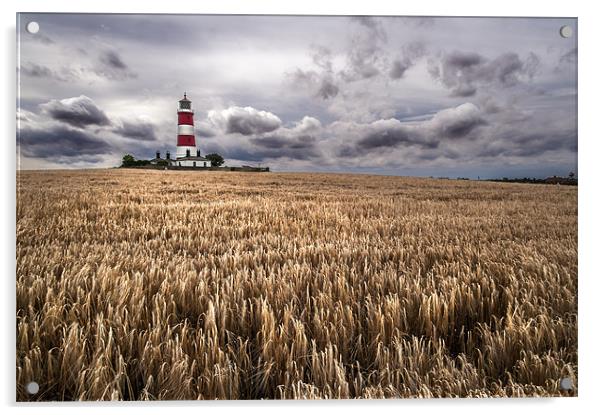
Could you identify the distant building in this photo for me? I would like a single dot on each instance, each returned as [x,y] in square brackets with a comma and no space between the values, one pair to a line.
[187,153]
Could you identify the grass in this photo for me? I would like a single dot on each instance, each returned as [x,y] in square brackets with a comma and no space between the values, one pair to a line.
[143,285]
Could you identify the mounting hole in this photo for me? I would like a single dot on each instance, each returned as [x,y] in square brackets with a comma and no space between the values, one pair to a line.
[566,31]
[32,388]
[33,27]
[566,384]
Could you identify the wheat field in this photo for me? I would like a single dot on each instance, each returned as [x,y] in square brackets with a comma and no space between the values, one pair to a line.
[146,285]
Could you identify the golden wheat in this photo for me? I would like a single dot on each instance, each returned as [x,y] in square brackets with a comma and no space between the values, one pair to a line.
[143,285]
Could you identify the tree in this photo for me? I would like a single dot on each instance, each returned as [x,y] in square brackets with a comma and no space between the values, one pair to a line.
[571,175]
[128,160]
[216,159]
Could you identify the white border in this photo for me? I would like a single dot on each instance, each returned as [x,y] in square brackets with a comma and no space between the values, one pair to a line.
[590,33]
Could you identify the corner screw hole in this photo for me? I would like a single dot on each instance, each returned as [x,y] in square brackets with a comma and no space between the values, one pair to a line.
[32,388]
[566,31]
[566,384]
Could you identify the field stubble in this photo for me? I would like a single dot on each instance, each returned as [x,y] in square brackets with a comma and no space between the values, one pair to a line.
[183,285]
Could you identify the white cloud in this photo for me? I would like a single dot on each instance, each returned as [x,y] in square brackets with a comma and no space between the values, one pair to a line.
[245,121]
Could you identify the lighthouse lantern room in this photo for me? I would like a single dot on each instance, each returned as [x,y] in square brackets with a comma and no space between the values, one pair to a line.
[186,142]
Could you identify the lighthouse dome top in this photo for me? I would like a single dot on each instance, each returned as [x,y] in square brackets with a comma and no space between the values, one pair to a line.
[185,99]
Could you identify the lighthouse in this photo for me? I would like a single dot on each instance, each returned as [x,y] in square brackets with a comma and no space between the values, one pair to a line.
[186,143]
[187,154]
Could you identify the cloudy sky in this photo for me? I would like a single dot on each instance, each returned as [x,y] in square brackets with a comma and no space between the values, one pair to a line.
[488,97]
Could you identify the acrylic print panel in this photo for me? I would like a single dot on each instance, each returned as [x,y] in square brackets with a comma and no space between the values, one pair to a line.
[295,207]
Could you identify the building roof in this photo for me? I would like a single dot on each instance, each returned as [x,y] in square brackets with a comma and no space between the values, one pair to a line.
[192,158]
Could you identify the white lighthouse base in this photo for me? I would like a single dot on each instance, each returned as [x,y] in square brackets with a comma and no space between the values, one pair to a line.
[181,151]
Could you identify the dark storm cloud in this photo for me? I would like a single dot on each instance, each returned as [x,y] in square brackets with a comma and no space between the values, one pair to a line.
[36,71]
[537,144]
[385,135]
[41,38]
[322,84]
[461,127]
[262,153]
[204,130]
[301,147]
[362,62]
[569,57]
[465,72]
[365,56]
[328,88]
[463,60]
[322,57]
[141,130]
[113,67]
[390,137]
[399,68]
[458,123]
[59,141]
[298,142]
[518,143]
[543,139]
[508,68]
[245,121]
[111,58]
[279,142]
[411,52]
[364,59]
[240,153]
[77,111]
[322,81]
[373,24]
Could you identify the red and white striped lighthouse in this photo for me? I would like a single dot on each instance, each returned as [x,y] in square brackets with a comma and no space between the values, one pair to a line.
[186,143]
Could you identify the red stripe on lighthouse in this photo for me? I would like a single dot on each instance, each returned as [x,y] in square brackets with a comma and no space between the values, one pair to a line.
[185,118]
[186,140]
